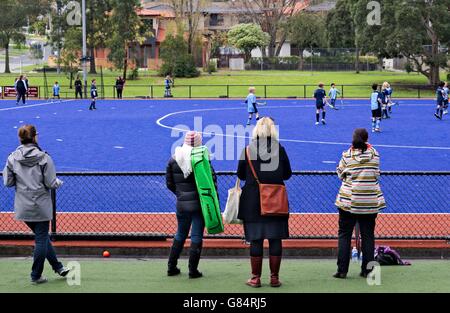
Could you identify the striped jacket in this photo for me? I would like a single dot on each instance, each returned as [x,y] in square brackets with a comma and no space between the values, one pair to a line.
[360,192]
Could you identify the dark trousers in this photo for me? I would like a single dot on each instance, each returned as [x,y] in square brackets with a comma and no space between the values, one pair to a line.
[43,249]
[92,107]
[119,93]
[185,221]
[78,92]
[347,222]
[21,96]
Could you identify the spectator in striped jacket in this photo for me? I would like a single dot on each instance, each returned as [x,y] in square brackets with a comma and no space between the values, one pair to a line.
[359,200]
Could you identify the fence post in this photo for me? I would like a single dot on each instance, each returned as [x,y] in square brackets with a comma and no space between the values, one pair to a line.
[53,225]
[418,92]
[304,91]
[190,92]
[228,91]
[343,91]
[151,91]
[265,91]
[114,92]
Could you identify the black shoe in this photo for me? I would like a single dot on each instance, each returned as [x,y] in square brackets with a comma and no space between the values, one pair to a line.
[437,116]
[194,258]
[340,275]
[174,271]
[364,274]
[195,274]
[175,251]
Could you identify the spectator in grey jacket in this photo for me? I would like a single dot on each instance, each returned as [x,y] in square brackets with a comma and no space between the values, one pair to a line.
[32,173]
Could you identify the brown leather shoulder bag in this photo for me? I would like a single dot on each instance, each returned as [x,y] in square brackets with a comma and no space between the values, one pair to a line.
[273,198]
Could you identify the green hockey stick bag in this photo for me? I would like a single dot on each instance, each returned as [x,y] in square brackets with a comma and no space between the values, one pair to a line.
[207,190]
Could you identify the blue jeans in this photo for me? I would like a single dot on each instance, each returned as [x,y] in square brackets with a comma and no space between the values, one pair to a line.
[43,249]
[185,220]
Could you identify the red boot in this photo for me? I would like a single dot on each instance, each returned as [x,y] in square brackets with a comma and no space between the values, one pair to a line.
[256,263]
[274,263]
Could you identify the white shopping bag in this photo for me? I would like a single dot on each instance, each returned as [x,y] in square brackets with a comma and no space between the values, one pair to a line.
[230,215]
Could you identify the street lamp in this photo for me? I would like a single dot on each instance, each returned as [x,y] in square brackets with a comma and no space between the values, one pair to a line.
[84,58]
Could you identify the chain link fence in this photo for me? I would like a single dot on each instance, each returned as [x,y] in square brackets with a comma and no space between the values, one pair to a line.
[136,205]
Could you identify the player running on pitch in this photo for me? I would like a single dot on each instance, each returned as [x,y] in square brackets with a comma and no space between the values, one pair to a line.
[94,95]
[376,103]
[446,95]
[333,94]
[321,97]
[440,99]
[251,105]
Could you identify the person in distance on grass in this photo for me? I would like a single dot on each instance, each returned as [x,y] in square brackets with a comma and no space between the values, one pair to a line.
[94,95]
[56,89]
[168,83]
[376,103]
[440,100]
[360,199]
[272,166]
[120,83]
[321,98]
[31,171]
[78,88]
[251,105]
[333,94]
[180,180]
[21,89]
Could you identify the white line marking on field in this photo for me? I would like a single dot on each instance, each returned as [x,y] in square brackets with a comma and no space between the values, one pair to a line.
[329,162]
[119,147]
[32,105]
[159,123]
[60,140]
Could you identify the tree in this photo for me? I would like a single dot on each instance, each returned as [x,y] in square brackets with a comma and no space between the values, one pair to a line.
[176,59]
[126,28]
[70,54]
[306,31]
[418,30]
[188,15]
[247,37]
[15,16]
[271,15]
[339,26]
[97,27]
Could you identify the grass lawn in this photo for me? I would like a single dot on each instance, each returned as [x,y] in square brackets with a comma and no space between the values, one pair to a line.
[214,85]
[131,275]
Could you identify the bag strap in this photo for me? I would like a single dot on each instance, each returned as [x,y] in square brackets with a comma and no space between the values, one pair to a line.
[238,184]
[247,151]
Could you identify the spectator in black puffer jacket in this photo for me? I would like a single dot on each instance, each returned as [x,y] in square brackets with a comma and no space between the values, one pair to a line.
[181,181]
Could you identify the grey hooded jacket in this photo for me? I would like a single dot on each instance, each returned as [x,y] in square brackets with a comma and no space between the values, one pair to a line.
[32,172]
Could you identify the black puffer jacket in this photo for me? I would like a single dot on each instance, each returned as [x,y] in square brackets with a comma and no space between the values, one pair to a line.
[184,188]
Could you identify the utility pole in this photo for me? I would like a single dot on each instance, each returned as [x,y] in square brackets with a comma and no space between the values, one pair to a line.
[84,57]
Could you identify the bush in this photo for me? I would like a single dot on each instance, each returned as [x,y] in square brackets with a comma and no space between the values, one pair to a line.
[212,66]
[134,74]
[177,61]
[185,67]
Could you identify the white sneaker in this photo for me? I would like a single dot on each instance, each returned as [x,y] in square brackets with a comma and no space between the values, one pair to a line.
[40,280]
[323,122]
[317,123]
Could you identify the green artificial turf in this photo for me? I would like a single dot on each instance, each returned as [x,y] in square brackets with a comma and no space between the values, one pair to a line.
[226,276]
[215,85]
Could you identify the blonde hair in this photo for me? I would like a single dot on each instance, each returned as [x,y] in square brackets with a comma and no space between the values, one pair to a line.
[265,128]
[251,89]
[385,85]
